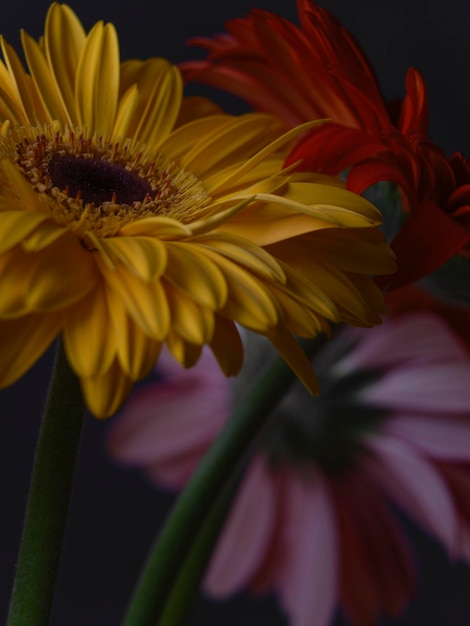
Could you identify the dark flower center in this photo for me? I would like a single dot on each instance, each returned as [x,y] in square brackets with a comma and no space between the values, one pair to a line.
[328,429]
[97,181]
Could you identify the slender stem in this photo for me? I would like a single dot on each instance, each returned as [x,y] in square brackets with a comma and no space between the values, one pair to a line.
[46,513]
[168,555]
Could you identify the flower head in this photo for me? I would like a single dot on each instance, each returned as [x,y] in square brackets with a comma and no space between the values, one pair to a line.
[315,517]
[132,218]
[318,70]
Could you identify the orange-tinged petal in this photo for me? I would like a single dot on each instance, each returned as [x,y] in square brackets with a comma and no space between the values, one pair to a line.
[227,346]
[23,341]
[105,394]
[89,340]
[63,273]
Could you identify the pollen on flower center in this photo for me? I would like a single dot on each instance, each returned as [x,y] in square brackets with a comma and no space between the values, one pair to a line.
[97,181]
[99,185]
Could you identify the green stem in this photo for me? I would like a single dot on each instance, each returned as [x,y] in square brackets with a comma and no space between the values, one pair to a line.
[46,513]
[170,551]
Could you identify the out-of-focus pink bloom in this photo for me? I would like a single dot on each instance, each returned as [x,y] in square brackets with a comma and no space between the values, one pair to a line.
[314,519]
[318,70]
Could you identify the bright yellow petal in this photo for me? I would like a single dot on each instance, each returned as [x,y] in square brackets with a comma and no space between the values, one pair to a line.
[146,302]
[63,273]
[44,81]
[16,225]
[89,341]
[159,90]
[97,81]
[145,256]
[161,227]
[245,253]
[190,321]
[137,353]
[184,352]
[249,301]
[23,341]
[63,42]
[190,269]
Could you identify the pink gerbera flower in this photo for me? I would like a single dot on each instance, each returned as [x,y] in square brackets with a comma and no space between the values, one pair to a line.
[314,519]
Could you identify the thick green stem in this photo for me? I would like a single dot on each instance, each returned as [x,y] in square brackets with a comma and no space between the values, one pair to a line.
[46,513]
[171,549]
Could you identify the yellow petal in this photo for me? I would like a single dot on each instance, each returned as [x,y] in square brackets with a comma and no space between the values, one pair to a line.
[105,394]
[64,40]
[11,107]
[190,321]
[63,273]
[21,188]
[89,339]
[16,269]
[296,359]
[44,81]
[23,341]
[184,352]
[227,346]
[190,269]
[245,253]
[97,81]
[16,225]
[249,301]
[146,302]
[161,227]
[137,353]
[31,108]
[145,256]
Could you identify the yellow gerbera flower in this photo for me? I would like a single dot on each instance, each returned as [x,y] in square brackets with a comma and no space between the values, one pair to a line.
[123,228]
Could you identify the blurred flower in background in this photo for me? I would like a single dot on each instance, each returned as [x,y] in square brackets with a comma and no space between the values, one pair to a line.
[315,517]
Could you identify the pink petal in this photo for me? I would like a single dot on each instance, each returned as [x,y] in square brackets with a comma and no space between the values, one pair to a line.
[424,336]
[242,546]
[181,413]
[416,486]
[443,437]
[309,579]
[436,388]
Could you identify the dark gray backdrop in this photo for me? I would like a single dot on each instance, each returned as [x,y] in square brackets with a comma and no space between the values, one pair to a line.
[115,513]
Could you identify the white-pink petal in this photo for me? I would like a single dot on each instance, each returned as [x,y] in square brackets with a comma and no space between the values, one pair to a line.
[443,387]
[416,486]
[445,437]
[308,581]
[420,335]
[245,539]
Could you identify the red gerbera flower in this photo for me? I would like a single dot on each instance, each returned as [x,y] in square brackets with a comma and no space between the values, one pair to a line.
[318,70]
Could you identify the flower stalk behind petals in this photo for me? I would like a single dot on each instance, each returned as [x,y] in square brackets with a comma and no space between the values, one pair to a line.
[193,508]
[49,496]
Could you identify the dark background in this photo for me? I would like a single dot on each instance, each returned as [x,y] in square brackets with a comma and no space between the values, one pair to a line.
[115,512]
